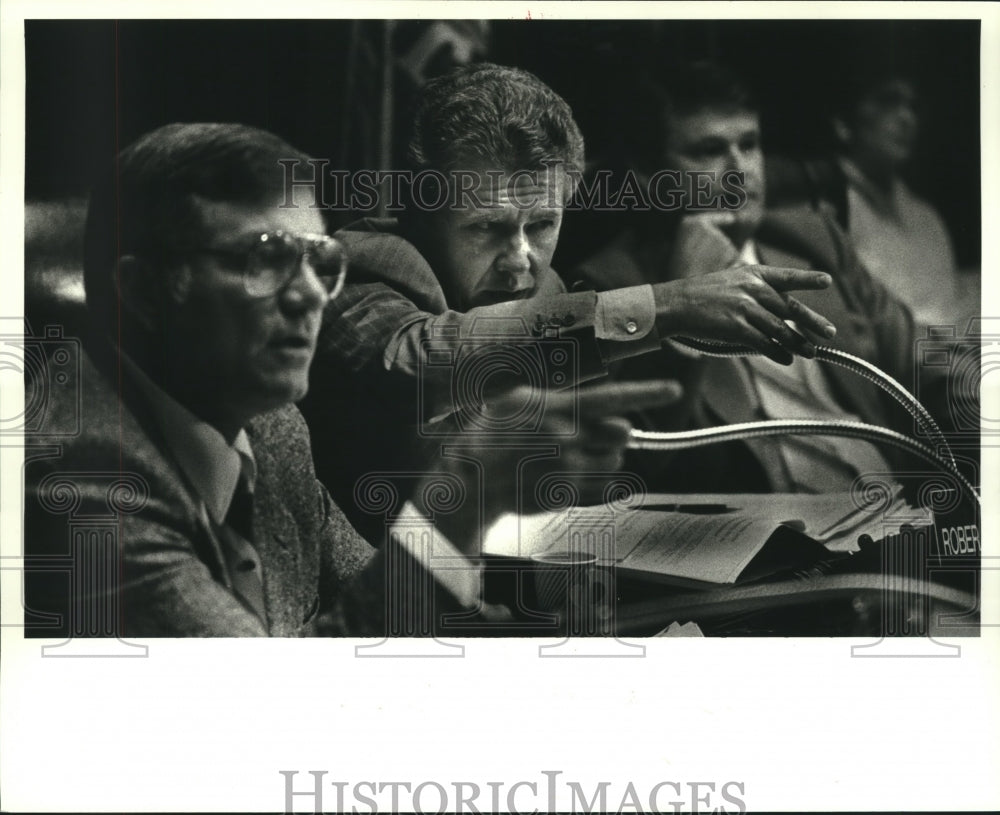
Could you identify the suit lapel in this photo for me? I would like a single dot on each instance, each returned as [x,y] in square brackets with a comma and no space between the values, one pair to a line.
[857,395]
[141,434]
[276,542]
[728,393]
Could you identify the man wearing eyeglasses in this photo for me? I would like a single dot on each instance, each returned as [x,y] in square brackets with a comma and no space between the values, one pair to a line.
[187,504]
[205,299]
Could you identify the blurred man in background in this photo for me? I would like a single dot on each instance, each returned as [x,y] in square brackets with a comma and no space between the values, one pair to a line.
[704,120]
[899,236]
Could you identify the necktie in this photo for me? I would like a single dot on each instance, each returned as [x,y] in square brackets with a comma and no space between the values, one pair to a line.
[241,557]
[240,514]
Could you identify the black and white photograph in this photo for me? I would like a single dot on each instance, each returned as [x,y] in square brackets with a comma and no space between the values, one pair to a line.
[476,407]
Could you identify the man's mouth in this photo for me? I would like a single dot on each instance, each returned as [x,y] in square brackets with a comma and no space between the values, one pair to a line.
[292,342]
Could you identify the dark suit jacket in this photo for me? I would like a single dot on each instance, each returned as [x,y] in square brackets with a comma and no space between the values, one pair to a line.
[114,486]
[870,322]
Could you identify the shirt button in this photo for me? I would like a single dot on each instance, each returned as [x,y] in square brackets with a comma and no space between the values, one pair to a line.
[631,327]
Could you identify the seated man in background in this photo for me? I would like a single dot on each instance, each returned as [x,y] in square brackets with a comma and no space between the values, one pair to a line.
[899,237]
[706,121]
[187,504]
[467,267]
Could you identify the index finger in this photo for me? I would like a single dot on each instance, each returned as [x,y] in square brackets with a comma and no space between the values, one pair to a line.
[618,398]
[791,279]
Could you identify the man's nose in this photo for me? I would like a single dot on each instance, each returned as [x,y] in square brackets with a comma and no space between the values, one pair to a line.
[305,291]
[748,162]
[515,261]
[517,281]
[740,160]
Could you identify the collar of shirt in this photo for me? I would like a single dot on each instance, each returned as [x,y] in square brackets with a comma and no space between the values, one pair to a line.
[748,254]
[882,201]
[211,466]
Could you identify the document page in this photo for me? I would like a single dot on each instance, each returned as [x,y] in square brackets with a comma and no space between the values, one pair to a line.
[707,538]
[711,548]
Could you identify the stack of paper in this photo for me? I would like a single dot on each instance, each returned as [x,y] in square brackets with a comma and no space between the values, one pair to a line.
[835,519]
[701,538]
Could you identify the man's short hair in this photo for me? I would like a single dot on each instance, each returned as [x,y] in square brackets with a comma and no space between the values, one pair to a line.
[682,90]
[145,203]
[856,87]
[503,118]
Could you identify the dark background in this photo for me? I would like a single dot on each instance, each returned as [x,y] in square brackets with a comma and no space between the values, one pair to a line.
[93,86]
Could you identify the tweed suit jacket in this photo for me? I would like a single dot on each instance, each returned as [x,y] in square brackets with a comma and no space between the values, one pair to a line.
[168,577]
[392,316]
[871,324]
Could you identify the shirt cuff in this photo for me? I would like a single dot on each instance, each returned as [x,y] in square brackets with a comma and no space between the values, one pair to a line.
[451,570]
[625,322]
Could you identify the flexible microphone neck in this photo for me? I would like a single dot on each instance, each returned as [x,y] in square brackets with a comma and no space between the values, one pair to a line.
[944,460]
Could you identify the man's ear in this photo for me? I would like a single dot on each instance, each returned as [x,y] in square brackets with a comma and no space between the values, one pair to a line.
[144,289]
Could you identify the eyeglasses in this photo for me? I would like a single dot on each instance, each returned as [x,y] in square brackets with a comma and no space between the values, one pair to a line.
[275,258]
